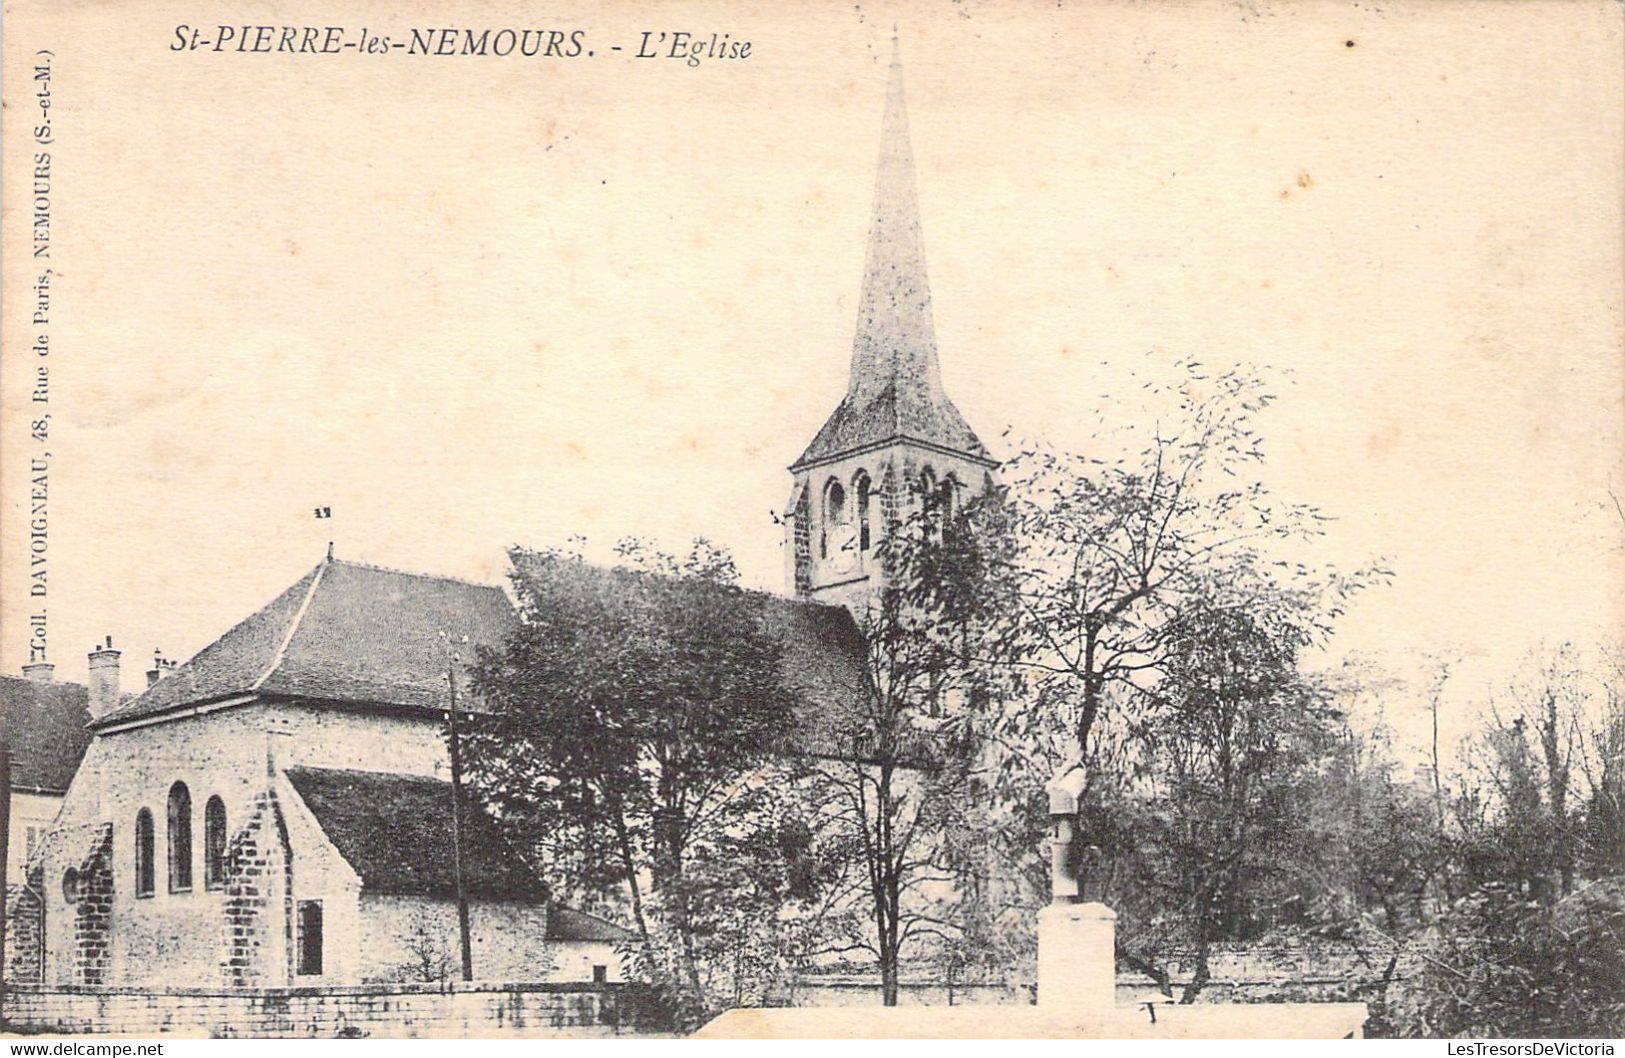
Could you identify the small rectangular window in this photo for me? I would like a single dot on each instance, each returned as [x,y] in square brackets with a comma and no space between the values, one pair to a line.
[310,936]
[31,843]
[600,974]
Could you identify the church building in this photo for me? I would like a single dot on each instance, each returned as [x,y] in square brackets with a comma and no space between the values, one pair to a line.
[277,810]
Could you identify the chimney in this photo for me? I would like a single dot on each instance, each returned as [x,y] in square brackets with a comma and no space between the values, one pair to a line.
[161,667]
[40,672]
[104,686]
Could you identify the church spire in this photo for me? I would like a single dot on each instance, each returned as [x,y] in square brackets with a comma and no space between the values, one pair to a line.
[895,343]
[895,389]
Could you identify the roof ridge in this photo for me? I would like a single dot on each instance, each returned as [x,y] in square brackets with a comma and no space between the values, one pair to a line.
[293,625]
[368,771]
[42,683]
[764,594]
[413,573]
[810,604]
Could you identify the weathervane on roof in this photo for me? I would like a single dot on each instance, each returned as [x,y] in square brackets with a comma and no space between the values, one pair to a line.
[325,513]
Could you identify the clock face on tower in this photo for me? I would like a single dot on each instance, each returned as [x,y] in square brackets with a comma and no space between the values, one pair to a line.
[843,549]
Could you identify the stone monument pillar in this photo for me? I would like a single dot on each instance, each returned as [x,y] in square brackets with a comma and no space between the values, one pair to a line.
[1077,941]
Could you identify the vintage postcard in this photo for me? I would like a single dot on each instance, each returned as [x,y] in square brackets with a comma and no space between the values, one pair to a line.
[935,519]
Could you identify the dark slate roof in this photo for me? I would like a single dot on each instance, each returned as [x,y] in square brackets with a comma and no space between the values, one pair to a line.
[565,923]
[861,422]
[45,726]
[346,632]
[826,666]
[395,833]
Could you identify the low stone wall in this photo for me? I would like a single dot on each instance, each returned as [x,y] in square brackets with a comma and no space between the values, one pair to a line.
[1240,974]
[388,1011]
[1265,973]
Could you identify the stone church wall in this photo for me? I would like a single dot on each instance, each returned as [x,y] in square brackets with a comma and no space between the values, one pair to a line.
[407,938]
[255,947]
[186,937]
[174,936]
[361,741]
[93,911]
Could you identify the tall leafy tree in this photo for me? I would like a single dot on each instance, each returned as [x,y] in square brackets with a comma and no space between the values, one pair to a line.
[890,789]
[628,732]
[1076,570]
[1070,592]
[1231,738]
[1499,964]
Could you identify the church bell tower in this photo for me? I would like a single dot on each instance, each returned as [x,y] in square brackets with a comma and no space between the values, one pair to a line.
[895,437]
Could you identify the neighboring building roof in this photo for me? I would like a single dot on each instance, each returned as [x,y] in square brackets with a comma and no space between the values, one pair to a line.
[45,724]
[344,632]
[395,832]
[564,923]
[895,390]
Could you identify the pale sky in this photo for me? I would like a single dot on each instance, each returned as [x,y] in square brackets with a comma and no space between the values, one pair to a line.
[471,302]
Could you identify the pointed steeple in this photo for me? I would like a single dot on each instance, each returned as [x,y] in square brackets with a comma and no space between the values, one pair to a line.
[895,390]
[895,340]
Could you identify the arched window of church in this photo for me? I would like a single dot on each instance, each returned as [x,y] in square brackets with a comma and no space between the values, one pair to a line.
[143,853]
[950,491]
[834,503]
[862,487]
[928,483]
[929,496]
[214,843]
[180,838]
[834,513]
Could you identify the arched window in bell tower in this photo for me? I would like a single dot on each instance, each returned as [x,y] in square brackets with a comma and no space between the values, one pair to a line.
[862,486]
[947,497]
[834,514]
